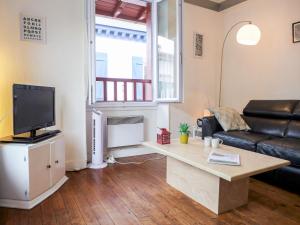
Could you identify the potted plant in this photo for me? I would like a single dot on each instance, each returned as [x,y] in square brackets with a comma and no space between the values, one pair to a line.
[184,133]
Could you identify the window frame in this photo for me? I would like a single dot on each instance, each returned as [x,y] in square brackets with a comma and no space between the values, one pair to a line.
[90,17]
[179,55]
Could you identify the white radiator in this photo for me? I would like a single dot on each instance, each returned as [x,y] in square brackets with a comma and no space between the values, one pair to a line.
[125,131]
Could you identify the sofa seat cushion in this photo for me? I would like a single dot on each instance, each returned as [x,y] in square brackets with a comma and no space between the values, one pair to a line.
[241,139]
[284,148]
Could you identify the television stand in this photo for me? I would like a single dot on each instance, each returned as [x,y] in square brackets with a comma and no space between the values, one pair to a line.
[34,137]
[30,173]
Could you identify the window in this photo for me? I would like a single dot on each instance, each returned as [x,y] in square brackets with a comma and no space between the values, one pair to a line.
[121,61]
[169,51]
[137,53]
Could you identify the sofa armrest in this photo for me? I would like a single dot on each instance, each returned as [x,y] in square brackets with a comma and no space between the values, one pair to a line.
[210,125]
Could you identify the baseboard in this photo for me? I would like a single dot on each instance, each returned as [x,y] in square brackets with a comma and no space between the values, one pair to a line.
[72,165]
[131,151]
[30,204]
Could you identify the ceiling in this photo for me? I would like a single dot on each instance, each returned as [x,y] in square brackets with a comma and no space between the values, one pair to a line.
[216,5]
[123,9]
[218,1]
[139,11]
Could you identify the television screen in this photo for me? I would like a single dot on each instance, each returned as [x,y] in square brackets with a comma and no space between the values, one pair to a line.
[33,107]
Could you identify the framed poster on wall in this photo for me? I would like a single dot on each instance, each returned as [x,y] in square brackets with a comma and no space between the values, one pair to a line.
[296,32]
[32,28]
[198,44]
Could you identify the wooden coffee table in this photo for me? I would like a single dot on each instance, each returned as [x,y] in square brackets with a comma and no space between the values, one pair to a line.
[219,188]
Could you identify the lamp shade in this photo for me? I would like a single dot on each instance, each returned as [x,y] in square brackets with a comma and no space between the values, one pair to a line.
[248,34]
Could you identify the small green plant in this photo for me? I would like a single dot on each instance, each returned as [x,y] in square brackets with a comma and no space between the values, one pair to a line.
[184,128]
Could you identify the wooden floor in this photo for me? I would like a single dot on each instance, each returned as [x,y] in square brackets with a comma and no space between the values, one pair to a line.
[138,194]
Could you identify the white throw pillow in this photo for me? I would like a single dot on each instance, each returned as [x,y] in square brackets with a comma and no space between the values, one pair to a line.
[229,119]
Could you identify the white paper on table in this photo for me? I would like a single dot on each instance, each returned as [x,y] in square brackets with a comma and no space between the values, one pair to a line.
[224,158]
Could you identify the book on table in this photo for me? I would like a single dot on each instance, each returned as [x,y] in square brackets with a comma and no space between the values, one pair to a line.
[224,158]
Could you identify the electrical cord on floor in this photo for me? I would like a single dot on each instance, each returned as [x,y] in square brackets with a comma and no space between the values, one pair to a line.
[139,163]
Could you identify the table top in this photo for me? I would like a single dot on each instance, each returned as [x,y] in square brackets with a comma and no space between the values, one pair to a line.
[195,154]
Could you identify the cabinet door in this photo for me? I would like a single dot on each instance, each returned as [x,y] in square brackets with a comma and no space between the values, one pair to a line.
[13,172]
[57,160]
[39,170]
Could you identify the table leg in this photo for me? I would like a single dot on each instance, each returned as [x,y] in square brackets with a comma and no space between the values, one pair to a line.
[209,190]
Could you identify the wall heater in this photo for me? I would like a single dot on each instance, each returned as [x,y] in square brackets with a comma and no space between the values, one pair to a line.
[125,131]
[98,141]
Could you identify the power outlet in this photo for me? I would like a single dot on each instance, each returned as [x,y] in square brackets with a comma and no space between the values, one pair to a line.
[111,159]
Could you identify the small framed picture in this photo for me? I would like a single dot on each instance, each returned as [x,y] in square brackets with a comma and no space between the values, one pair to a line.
[296,32]
[32,28]
[198,44]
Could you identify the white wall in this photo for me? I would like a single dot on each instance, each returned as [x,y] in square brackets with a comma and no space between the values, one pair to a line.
[58,63]
[269,70]
[200,74]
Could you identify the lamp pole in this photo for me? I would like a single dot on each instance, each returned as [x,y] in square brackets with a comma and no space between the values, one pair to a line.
[222,56]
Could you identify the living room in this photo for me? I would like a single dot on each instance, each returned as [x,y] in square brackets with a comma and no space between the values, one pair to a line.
[139,194]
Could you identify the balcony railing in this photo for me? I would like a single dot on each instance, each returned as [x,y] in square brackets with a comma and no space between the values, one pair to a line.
[123,90]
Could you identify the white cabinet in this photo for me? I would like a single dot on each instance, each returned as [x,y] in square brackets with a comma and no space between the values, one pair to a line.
[29,173]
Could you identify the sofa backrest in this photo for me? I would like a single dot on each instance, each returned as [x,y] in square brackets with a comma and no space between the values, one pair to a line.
[296,112]
[274,117]
[275,127]
[293,129]
[282,109]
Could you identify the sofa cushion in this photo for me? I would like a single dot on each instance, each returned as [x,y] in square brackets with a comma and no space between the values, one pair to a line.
[276,127]
[229,118]
[296,113]
[271,108]
[210,125]
[284,148]
[293,129]
[241,139]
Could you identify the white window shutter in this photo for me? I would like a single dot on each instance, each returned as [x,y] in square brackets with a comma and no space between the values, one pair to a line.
[167,50]
[91,51]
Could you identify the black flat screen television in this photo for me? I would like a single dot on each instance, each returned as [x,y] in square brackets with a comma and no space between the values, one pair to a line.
[33,108]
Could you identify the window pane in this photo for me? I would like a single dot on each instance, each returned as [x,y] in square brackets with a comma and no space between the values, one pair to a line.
[129,91]
[99,91]
[148,92]
[110,91]
[137,68]
[167,52]
[139,91]
[120,92]
[101,64]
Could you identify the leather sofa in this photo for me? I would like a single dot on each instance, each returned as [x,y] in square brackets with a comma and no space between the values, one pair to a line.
[275,131]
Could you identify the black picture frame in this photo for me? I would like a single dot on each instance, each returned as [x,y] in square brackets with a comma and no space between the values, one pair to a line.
[198,44]
[296,32]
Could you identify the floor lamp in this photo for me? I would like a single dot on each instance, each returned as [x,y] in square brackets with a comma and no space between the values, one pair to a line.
[248,34]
